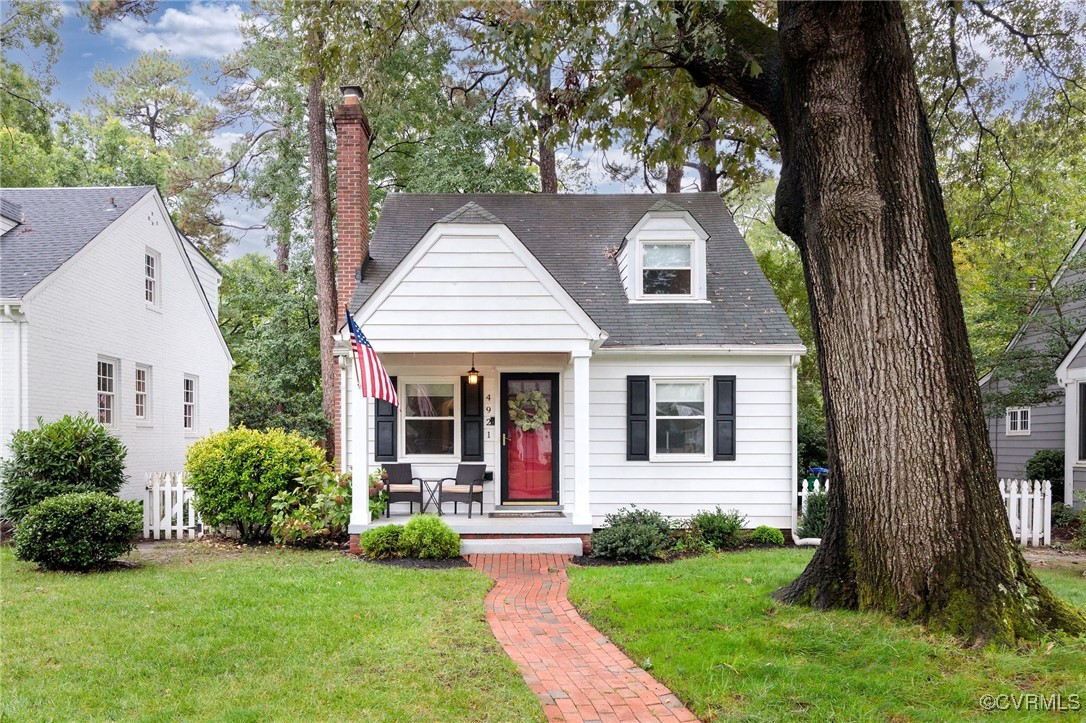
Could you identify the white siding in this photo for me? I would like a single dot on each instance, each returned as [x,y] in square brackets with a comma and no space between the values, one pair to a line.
[209,276]
[13,380]
[473,289]
[758,483]
[94,306]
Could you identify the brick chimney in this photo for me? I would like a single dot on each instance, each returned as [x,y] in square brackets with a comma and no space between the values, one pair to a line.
[352,207]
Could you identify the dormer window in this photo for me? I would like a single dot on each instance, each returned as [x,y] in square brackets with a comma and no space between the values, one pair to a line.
[663,258]
[666,269]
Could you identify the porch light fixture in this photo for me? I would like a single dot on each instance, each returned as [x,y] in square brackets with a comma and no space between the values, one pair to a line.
[473,373]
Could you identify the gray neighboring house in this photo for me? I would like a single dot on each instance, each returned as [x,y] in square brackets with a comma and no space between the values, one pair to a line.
[1020,432]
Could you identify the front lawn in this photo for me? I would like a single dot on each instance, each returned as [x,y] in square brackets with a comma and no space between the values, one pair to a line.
[260,634]
[711,633]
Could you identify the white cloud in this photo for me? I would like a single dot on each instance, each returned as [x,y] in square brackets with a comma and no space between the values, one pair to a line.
[202,30]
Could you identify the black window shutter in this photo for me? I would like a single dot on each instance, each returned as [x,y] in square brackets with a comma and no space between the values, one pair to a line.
[637,418]
[724,417]
[471,420]
[384,430]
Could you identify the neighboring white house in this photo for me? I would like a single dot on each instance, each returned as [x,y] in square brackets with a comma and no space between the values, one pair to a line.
[666,364]
[106,308]
[1020,432]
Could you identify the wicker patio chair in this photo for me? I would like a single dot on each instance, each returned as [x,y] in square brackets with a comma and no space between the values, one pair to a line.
[402,487]
[467,486]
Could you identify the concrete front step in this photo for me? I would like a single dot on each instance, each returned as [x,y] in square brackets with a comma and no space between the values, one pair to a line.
[522,546]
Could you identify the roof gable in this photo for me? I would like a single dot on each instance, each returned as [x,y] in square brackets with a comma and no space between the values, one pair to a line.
[574,237]
[55,224]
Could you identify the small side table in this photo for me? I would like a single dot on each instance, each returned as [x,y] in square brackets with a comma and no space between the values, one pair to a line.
[431,494]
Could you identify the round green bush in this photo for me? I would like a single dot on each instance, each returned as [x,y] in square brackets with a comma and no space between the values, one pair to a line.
[719,528]
[633,534]
[237,473]
[428,537]
[1047,464]
[814,519]
[72,454]
[77,531]
[382,542]
[766,535]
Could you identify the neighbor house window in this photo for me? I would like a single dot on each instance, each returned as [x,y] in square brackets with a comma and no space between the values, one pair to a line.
[151,271]
[143,392]
[107,375]
[666,269]
[679,416]
[429,418]
[1018,421]
[189,403]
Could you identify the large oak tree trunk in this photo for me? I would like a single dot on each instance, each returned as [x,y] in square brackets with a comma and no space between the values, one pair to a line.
[324,265]
[916,525]
[548,166]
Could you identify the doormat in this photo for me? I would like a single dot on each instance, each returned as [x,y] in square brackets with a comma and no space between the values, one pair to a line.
[522,515]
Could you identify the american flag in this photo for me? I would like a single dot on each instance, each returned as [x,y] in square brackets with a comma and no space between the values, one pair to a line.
[372,377]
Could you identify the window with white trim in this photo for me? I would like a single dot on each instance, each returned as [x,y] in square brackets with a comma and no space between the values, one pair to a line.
[188,403]
[1018,421]
[667,268]
[152,263]
[429,417]
[680,419]
[143,392]
[107,377]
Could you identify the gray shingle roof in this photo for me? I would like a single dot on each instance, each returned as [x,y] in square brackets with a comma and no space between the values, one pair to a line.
[55,224]
[572,236]
[10,209]
[470,212]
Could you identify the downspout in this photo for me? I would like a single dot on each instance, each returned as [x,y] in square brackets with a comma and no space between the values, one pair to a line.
[343,361]
[795,449]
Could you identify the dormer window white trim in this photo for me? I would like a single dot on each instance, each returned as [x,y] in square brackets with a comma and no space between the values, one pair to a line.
[663,259]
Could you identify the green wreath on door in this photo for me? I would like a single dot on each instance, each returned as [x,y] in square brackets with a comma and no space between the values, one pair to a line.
[529,411]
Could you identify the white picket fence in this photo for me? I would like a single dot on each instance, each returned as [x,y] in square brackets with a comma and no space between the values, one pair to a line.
[1029,509]
[1028,504]
[168,509]
[816,486]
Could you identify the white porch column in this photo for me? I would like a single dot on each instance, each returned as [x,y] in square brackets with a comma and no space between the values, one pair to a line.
[359,442]
[582,513]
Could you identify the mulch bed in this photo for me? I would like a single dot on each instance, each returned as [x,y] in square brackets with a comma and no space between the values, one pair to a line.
[590,561]
[415,563]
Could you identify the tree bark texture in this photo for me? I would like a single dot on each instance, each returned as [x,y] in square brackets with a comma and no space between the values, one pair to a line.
[916,524]
[548,169]
[324,265]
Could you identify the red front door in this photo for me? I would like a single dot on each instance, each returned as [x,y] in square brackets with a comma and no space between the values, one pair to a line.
[529,426]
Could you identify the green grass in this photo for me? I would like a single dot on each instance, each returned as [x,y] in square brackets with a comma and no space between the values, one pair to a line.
[710,631]
[257,635]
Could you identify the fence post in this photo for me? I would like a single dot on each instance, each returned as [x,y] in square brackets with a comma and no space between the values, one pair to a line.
[1038,507]
[1048,512]
[147,507]
[1024,517]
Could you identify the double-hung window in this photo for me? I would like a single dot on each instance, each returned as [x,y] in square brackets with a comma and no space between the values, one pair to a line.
[429,417]
[107,377]
[143,393]
[152,263]
[680,418]
[1018,421]
[667,269]
[188,403]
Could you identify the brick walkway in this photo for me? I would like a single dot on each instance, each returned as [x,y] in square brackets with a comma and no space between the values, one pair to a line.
[576,672]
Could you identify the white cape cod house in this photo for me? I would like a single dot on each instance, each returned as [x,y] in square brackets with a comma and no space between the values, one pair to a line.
[106,308]
[629,351]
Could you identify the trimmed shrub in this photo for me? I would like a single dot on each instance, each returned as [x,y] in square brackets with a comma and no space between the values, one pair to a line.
[1064,515]
[382,542]
[1047,464]
[428,537]
[316,511]
[77,531]
[814,519]
[766,535]
[632,534]
[237,473]
[719,528]
[72,454]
